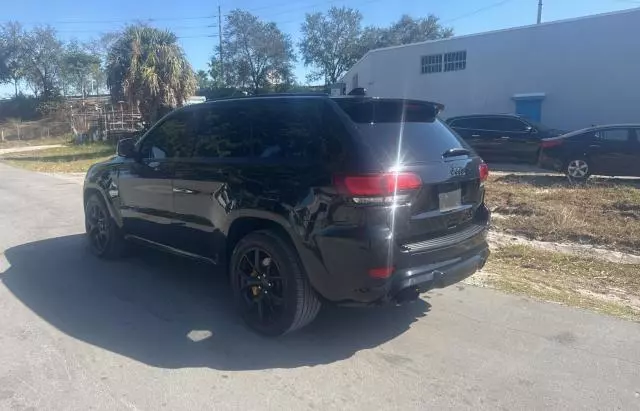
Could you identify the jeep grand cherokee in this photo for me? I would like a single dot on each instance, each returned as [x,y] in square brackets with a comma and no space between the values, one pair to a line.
[303,199]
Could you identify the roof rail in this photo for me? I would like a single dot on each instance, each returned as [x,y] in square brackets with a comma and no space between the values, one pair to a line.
[241,96]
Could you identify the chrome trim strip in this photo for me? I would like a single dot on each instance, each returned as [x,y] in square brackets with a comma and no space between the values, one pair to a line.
[445,240]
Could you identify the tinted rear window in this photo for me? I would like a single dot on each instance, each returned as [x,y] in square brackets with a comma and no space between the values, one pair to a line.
[420,137]
[387,111]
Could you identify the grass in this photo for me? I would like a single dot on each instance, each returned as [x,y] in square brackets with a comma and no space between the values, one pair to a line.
[36,142]
[68,159]
[603,212]
[576,281]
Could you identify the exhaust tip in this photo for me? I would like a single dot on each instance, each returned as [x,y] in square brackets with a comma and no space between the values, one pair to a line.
[407,295]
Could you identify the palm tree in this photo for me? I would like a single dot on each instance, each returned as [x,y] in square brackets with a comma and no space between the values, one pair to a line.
[147,68]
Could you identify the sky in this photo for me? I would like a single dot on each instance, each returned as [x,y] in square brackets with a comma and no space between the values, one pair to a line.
[196,21]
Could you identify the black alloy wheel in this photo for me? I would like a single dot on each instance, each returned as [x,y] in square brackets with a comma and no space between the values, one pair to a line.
[105,239]
[261,286]
[97,228]
[270,285]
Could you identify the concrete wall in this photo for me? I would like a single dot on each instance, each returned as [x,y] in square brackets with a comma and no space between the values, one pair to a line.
[588,68]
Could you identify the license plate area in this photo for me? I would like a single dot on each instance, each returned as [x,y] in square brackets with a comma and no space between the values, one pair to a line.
[450,200]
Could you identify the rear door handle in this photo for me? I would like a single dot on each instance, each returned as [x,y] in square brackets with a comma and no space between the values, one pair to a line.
[505,138]
[183,191]
[594,146]
[475,135]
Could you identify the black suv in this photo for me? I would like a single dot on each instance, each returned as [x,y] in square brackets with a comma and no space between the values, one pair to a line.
[303,199]
[502,137]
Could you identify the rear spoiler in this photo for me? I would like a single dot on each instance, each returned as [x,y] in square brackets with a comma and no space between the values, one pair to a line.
[362,92]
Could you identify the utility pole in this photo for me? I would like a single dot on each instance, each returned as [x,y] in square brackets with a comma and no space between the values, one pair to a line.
[539,11]
[220,42]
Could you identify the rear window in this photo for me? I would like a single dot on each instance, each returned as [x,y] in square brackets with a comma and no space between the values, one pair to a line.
[387,111]
[409,130]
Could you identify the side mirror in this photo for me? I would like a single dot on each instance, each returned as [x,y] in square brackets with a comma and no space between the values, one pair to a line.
[126,148]
[531,130]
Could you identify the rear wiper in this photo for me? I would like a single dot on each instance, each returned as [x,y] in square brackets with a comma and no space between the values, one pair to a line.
[458,151]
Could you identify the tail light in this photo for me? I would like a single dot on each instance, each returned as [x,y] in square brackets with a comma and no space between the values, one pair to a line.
[550,143]
[484,172]
[381,272]
[378,188]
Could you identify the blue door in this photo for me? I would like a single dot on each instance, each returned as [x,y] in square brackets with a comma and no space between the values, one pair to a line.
[531,109]
[529,105]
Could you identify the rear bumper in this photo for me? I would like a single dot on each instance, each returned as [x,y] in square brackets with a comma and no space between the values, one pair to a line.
[550,163]
[440,275]
[343,275]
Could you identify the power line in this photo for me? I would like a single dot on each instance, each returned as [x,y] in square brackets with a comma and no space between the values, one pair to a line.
[480,10]
[149,19]
[166,28]
[197,36]
[311,6]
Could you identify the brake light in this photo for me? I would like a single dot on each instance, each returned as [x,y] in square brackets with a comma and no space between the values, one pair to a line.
[378,185]
[382,272]
[550,143]
[484,172]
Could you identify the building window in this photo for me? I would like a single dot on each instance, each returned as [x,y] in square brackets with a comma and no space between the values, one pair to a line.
[455,61]
[431,64]
[354,81]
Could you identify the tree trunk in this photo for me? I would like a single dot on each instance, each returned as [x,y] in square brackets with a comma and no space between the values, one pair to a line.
[15,86]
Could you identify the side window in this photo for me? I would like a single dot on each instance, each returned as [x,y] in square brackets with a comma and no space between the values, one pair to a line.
[287,128]
[512,124]
[463,123]
[261,128]
[173,138]
[615,134]
[488,123]
[223,131]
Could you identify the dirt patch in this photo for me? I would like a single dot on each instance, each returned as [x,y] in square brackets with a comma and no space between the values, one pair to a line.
[601,212]
[498,239]
[612,288]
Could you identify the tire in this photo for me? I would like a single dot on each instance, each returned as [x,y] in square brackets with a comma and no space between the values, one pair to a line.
[578,169]
[104,236]
[276,298]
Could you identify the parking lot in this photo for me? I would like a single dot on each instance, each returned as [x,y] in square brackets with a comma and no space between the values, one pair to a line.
[154,332]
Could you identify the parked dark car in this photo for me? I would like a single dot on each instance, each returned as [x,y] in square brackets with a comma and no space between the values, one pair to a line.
[502,137]
[612,150]
[303,199]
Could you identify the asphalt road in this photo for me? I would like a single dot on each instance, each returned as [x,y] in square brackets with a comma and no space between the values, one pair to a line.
[155,332]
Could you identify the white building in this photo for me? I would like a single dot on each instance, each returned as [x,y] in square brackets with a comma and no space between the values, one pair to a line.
[568,74]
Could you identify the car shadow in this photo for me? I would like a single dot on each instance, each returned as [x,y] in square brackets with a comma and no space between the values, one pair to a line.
[171,313]
[562,181]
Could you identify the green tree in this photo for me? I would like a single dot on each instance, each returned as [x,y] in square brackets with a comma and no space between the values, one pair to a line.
[12,54]
[215,72]
[42,62]
[80,68]
[257,56]
[330,42]
[406,30]
[148,68]
[203,79]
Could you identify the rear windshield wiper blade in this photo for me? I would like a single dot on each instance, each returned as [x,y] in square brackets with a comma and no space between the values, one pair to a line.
[458,151]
